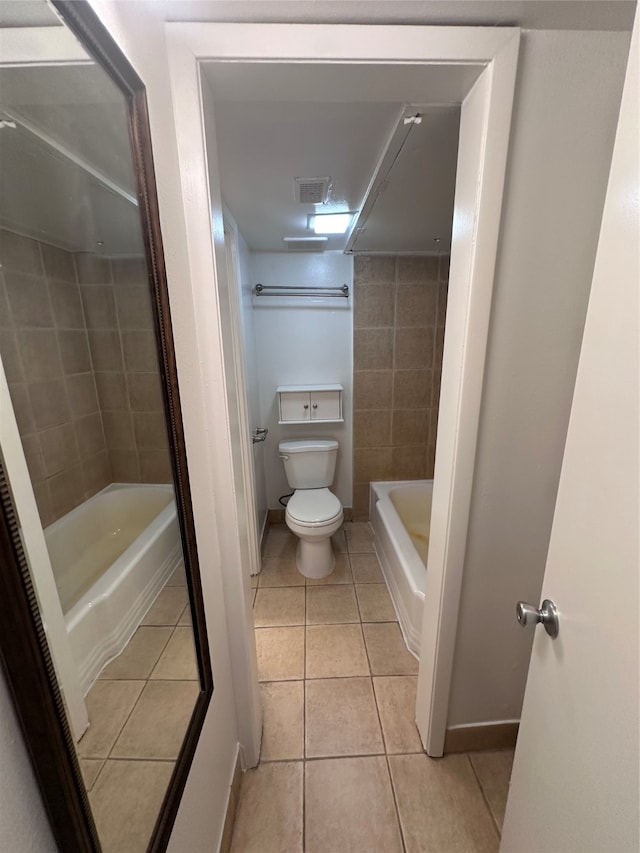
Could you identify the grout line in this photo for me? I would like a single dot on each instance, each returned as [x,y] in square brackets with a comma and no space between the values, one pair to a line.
[482,793]
[395,804]
[313,758]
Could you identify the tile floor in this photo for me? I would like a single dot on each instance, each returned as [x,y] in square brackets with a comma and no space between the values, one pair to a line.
[139,710]
[342,767]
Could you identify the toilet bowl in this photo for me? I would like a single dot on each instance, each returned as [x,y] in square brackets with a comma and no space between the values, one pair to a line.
[313,513]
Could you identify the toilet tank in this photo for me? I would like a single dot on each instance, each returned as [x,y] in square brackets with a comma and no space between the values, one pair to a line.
[309,463]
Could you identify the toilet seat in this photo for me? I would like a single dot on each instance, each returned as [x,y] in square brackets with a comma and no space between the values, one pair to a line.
[314,507]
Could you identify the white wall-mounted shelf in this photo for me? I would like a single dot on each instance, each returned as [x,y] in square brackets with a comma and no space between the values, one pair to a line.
[302,404]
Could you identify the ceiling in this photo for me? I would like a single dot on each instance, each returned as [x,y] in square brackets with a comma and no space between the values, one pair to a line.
[273,125]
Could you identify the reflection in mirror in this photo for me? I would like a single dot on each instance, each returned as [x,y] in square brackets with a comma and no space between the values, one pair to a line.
[83,406]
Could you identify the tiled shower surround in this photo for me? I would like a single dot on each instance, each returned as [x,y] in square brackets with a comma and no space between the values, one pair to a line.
[78,349]
[399,312]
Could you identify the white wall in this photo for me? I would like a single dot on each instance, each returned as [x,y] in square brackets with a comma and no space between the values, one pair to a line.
[566,105]
[299,341]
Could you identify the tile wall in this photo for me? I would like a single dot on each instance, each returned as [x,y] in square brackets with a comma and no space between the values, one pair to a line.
[399,313]
[85,389]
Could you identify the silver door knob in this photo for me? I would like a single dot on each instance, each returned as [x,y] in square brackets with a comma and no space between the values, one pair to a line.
[259,434]
[547,615]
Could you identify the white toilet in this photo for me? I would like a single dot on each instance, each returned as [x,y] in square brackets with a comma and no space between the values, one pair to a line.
[313,512]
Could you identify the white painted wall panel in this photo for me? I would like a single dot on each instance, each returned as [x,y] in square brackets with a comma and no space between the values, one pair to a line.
[300,343]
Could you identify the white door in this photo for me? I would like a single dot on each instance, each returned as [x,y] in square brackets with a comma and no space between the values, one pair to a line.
[574,787]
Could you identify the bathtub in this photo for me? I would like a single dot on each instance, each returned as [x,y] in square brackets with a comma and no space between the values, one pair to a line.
[400,515]
[110,557]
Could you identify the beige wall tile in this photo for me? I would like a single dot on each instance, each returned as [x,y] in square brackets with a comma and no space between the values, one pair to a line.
[409,463]
[280,653]
[440,805]
[349,806]
[81,391]
[150,430]
[74,351]
[49,403]
[118,430]
[269,814]
[99,306]
[373,349]
[443,292]
[372,389]
[396,700]
[282,720]
[28,300]
[130,270]
[341,718]
[105,350]
[20,253]
[145,392]
[279,606]
[372,464]
[374,305]
[155,466]
[372,428]
[39,354]
[445,261]
[43,501]
[412,389]
[67,490]
[134,307]
[416,305]
[410,427]
[158,722]
[66,304]
[90,435]
[387,652]
[413,349]
[133,790]
[112,390]
[23,409]
[335,651]
[33,456]
[374,269]
[361,501]
[58,264]
[331,604]
[140,351]
[417,269]
[11,360]
[124,466]
[96,473]
[92,269]
[59,449]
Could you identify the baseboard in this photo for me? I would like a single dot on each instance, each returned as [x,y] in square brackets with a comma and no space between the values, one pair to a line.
[232,805]
[485,736]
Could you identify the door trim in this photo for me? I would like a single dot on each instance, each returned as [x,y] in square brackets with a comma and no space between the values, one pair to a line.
[485,125]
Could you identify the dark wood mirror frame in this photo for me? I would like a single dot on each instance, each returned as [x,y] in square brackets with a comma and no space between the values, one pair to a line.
[24,652]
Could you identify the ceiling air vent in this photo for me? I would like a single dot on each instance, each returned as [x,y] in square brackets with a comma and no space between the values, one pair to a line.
[312,190]
[305,244]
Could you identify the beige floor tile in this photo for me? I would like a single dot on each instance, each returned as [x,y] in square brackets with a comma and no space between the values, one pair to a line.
[280,571]
[441,806]
[341,573]
[341,718]
[279,606]
[280,653]
[109,703]
[126,802]
[396,698]
[493,769]
[327,605]
[269,815]
[375,603]
[281,542]
[254,581]
[168,606]
[140,655]
[185,618]
[387,652]
[339,542]
[178,578]
[349,807]
[366,568]
[359,537]
[90,769]
[282,720]
[178,660]
[335,651]
[158,723]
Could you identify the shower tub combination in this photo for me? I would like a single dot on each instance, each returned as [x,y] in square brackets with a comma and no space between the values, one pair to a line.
[110,557]
[400,515]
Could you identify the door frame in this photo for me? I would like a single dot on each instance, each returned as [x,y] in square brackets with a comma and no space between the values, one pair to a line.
[482,158]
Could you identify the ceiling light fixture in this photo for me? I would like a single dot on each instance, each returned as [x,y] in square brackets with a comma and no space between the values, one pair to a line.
[329,223]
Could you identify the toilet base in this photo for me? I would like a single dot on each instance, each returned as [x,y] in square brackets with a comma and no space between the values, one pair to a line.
[314,559]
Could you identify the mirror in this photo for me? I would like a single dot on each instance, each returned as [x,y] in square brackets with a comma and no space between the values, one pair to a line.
[97,531]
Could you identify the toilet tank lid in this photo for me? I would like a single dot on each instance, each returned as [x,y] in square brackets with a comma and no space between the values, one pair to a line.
[307,445]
